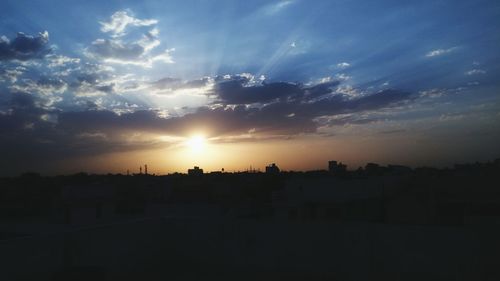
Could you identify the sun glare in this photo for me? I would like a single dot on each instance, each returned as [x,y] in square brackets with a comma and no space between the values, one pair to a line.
[196,143]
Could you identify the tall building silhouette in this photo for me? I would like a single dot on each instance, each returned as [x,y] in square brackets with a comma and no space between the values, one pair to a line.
[196,171]
[272,169]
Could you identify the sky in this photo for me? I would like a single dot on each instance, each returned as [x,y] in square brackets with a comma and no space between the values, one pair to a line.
[108,86]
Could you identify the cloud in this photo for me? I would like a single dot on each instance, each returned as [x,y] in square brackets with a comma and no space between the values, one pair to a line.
[284,117]
[235,92]
[169,84]
[342,76]
[24,47]
[327,86]
[343,119]
[439,52]
[115,49]
[31,136]
[246,89]
[121,20]
[61,61]
[274,8]
[38,132]
[11,75]
[475,72]
[47,89]
[287,117]
[343,65]
[285,102]
[131,51]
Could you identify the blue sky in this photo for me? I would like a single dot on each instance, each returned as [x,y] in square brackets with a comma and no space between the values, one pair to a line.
[249,71]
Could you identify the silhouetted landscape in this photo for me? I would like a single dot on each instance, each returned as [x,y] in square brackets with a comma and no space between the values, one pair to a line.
[376,222]
[249,140]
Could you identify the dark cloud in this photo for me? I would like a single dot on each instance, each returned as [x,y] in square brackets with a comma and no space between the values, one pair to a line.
[22,100]
[235,92]
[293,107]
[321,89]
[216,122]
[24,47]
[29,139]
[195,83]
[241,90]
[22,114]
[109,88]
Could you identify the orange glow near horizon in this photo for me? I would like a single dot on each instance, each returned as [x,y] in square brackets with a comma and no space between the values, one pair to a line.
[298,154]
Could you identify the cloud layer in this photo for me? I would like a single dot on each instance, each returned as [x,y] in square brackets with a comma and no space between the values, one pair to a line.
[39,131]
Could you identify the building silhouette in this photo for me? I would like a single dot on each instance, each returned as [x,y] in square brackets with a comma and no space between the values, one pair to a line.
[336,168]
[272,169]
[196,171]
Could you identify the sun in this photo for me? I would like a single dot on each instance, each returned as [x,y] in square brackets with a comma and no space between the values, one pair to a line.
[196,143]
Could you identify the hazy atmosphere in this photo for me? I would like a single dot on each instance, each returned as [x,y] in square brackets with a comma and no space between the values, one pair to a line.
[108,86]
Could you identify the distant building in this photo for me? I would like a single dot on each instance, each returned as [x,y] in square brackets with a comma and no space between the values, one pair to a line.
[196,171]
[272,169]
[373,169]
[336,168]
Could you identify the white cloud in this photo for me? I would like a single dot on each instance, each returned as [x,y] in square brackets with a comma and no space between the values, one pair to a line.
[165,57]
[475,71]
[11,75]
[323,80]
[343,76]
[129,50]
[58,61]
[119,22]
[439,52]
[44,86]
[276,7]
[150,40]
[349,91]
[143,61]
[86,89]
[343,65]
[433,93]
[451,117]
